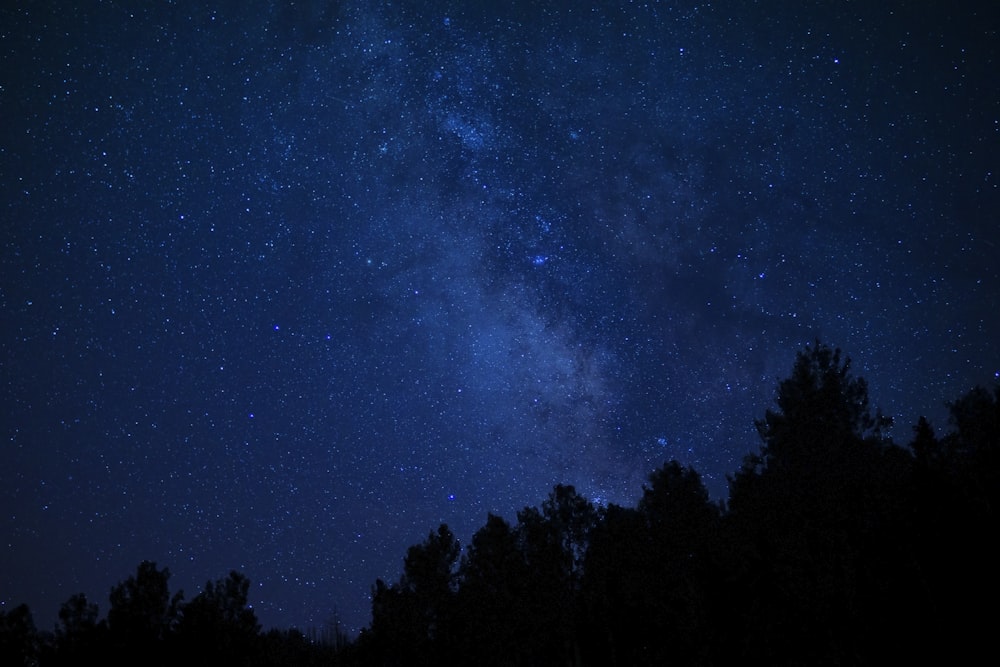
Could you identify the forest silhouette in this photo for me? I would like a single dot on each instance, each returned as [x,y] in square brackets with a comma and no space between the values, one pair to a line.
[836,546]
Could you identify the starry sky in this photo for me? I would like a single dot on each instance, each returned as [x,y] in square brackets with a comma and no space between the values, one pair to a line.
[286,285]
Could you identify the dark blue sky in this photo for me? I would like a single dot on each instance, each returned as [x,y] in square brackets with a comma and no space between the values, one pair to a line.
[285,286]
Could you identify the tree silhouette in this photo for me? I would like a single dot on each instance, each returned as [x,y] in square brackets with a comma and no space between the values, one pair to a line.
[616,583]
[79,636]
[142,615]
[821,409]
[429,573]
[410,619]
[649,574]
[927,449]
[808,511]
[956,498]
[975,418]
[683,527]
[19,640]
[492,624]
[217,624]
[554,542]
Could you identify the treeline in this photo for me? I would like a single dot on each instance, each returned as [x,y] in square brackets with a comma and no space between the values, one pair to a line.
[837,546]
[146,625]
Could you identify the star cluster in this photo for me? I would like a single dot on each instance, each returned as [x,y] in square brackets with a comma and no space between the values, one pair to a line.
[286,285]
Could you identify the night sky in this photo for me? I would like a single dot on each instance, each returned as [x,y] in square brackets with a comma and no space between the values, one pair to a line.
[286,285]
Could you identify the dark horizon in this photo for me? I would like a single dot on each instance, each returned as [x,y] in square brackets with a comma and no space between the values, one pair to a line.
[836,546]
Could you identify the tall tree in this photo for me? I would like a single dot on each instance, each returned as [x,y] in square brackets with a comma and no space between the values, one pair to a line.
[142,615]
[411,619]
[958,493]
[648,576]
[615,587]
[820,407]
[218,623]
[79,636]
[822,444]
[19,640]
[554,542]
[491,597]
[975,443]
[808,509]
[683,531]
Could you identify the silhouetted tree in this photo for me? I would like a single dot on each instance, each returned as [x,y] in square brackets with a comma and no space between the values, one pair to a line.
[79,637]
[491,623]
[822,409]
[927,449]
[683,527]
[956,492]
[410,619]
[650,574]
[218,625]
[142,615]
[19,640]
[429,572]
[554,543]
[975,418]
[618,568]
[808,510]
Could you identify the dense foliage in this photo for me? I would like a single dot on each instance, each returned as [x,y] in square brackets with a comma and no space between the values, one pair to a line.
[837,547]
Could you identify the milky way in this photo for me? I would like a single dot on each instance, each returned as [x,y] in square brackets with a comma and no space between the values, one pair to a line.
[286,286]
